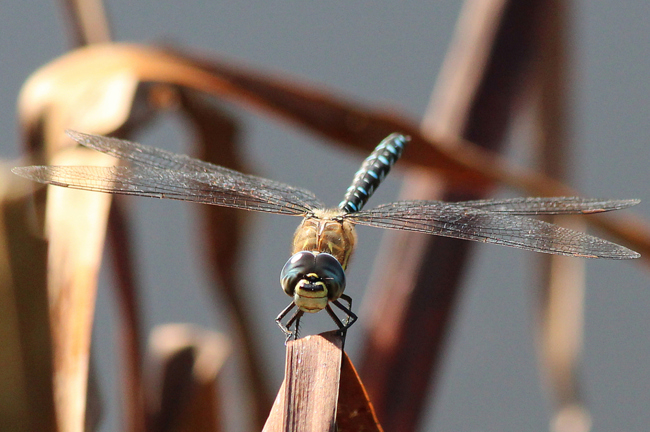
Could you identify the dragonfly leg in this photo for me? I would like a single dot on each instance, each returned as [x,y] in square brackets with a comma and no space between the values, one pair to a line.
[351,317]
[336,319]
[283,314]
[295,318]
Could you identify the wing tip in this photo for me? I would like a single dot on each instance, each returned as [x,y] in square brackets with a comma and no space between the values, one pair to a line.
[630,254]
[77,136]
[621,253]
[27,172]
[625,203]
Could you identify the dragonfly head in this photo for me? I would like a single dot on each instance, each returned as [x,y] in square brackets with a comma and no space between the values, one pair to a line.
[312,279]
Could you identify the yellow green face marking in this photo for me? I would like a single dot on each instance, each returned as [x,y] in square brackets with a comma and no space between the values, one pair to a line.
[310,294]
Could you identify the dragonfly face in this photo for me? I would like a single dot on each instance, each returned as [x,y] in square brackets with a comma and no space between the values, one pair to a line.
[313,279]
[325,240]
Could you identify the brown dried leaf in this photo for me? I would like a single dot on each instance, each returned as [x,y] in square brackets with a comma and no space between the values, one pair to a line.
[561,279]
[26,354]
[308,396]
[67,94]
[188,359]
[87,21]
[129,324]
[355,412]
[420,293]
[110,73]
[216,135]
[75,228]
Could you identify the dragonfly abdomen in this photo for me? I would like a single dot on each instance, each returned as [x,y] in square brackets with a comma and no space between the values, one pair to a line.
[373,170]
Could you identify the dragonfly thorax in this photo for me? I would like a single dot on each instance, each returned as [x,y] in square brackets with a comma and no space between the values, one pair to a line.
[326,231]
[313,279]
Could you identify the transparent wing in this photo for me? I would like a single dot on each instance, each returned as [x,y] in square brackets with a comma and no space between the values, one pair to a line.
[146,156]
[549,206]
[217,188]
[142,156]
[451,220]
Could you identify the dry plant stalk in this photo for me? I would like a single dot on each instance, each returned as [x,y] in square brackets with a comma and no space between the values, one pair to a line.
[562,280]
[355,412]
[309,393]
[75,228]
[474,100]
[321,389]
[88,23]
[188,359]
[217,138]
[26,393]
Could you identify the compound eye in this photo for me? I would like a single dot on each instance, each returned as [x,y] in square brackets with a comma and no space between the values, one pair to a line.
[299,265]
[331,273]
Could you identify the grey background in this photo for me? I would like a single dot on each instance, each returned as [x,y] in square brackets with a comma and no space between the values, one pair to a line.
[387,53]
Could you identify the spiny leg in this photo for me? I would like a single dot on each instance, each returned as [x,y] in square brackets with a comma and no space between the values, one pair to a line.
[283,314]
[351,317]
[336,319]
[295,318]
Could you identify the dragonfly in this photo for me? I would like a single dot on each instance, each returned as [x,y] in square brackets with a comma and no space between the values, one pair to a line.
[314,275]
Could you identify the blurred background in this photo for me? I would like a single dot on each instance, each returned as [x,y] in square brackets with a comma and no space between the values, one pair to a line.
[385,54]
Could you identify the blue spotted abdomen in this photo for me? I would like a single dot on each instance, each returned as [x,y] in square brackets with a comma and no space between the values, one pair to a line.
[372,172]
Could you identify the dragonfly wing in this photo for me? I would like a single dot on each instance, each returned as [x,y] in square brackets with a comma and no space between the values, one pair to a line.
[450,220]
[548,206]
[238,191]
[140,155]
[146,156]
